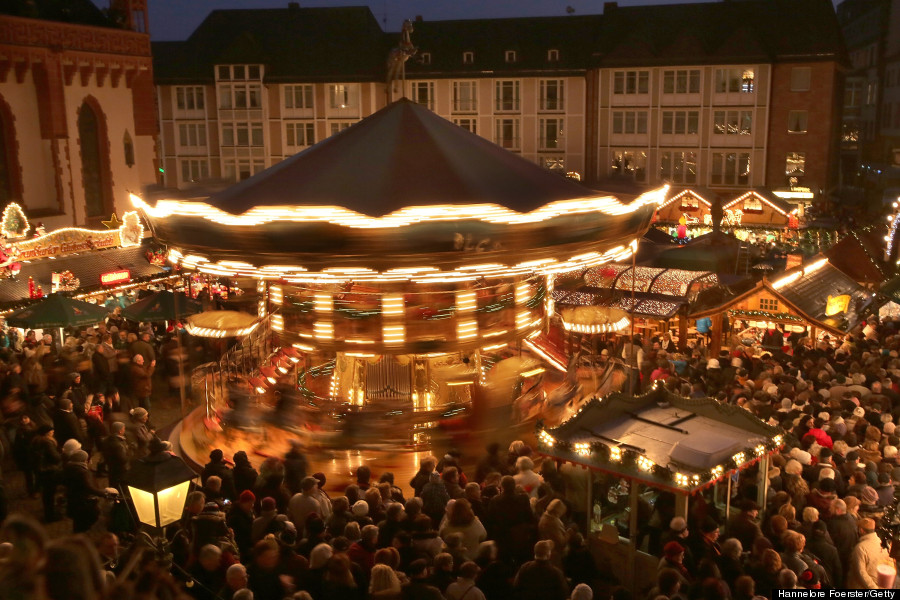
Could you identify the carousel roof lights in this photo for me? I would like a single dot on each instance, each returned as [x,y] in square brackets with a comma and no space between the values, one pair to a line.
[498,332]
[304,347]
[534,348]
[533,372]
[466,329]
[466,301]
[493,347]
[324,303]
[323,330]
[490,213]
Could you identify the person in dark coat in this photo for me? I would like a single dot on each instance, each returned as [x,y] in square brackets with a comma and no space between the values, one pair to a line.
[539,579]
[66,425]
[21,451]
[418,587]
[491,463]
[743,525]
[142,380]
[821,548]
[844,531]
[218,467]
[81,492]
[244,474]
[47,463]
[295,467]
[115,454]
[510,521]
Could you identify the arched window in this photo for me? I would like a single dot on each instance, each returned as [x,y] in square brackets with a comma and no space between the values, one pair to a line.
[10,171]
[94,162]
[129,149]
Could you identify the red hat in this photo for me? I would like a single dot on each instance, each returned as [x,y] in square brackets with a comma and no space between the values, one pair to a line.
[247,496]
[673,549]
[268,503]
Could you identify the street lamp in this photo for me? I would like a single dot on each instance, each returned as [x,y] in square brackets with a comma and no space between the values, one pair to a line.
[158,485]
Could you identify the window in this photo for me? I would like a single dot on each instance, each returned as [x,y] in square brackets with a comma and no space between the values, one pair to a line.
[871,92]
[239,72]
[681,81]
[465,96]
[680,122]
[300,134]
[797,120]
[768,304]
[732,122]
[752,204]
[506,96]
[194,170]
[138,22]
[554,163]
[510,56]
[795,164]
[128,148]
[507,133]
[298,96]
[242,134]
[552,55]
[425,58]
[470,125]
[192,135]
[95,174]
[630,163]
[853,93]
[343,95]
[689,203]
[630,121]
[551,134]
[730,168]
[423,93]
[734,81]
[189,97]
[468,58]
[631,82]
[678,166]
[552,94]
[238,170]
[10,167]
[800,79]
[240,95]
[339,126]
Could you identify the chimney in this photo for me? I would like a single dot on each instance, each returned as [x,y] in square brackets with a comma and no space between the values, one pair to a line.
[609,7]
[419,19]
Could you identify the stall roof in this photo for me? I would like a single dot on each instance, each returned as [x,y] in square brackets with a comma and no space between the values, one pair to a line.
[86,266]
[646,307]
[661,439]
[806,290]
[859,255]
[668,282]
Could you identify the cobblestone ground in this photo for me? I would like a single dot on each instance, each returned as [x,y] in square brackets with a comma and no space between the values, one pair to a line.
[166,411]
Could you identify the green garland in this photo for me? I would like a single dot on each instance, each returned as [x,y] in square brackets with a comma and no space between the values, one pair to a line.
[765,315]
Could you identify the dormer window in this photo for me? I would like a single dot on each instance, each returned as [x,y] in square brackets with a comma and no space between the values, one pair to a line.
[468,58]
[510,56]
[425,58]
[552,55]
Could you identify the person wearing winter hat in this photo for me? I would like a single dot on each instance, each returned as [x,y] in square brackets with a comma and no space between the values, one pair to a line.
[268,512]
[713,363]
[81,491]
[240,521]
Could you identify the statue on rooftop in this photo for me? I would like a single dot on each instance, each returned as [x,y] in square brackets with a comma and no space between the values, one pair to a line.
[396,63]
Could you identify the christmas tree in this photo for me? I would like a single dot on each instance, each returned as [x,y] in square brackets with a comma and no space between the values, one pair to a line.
[14,223]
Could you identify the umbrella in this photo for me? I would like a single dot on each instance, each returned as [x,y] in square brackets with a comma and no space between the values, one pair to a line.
[57,311]
[221,323]
[162,306]
[594,319]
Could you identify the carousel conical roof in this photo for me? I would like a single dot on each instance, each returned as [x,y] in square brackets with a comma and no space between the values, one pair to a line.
[403,155]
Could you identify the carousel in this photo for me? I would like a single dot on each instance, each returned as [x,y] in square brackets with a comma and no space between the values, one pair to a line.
[397,265]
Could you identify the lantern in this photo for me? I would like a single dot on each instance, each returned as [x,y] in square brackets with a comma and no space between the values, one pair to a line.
[158,486]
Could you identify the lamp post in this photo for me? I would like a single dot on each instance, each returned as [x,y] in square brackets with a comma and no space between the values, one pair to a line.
[158,486]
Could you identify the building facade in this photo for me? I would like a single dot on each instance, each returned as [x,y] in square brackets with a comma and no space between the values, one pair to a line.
[76,109]
[642,93]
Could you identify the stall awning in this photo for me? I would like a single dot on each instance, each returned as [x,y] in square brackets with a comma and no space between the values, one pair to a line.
[661,439]
[86,266]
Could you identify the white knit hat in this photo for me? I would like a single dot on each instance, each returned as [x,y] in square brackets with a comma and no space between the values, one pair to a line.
[859,412]
[713,364]
[801,456]
[792,467]
[826,473]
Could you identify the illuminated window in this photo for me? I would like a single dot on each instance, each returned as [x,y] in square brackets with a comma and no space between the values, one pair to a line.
[629,121]
[688,202]
[752,204]
[730,168]
[552,94]
[554,163]
[732,122]
[298,96]
[681,81]
[797,121]
[680,122]
[735,80]
[300,134]
[465,96]
[678,166]
[630,163]
[631,82]
[343,95]
[795,164]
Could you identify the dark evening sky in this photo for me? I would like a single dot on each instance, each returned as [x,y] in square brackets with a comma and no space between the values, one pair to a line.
[176,19]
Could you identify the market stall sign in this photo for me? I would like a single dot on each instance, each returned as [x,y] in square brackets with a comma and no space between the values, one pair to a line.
[71,240]
[837,305]
[114,277]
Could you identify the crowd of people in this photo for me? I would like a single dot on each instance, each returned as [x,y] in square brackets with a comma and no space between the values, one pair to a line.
[503,525]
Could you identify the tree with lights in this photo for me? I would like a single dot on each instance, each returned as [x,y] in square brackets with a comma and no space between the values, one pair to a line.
[14,223]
